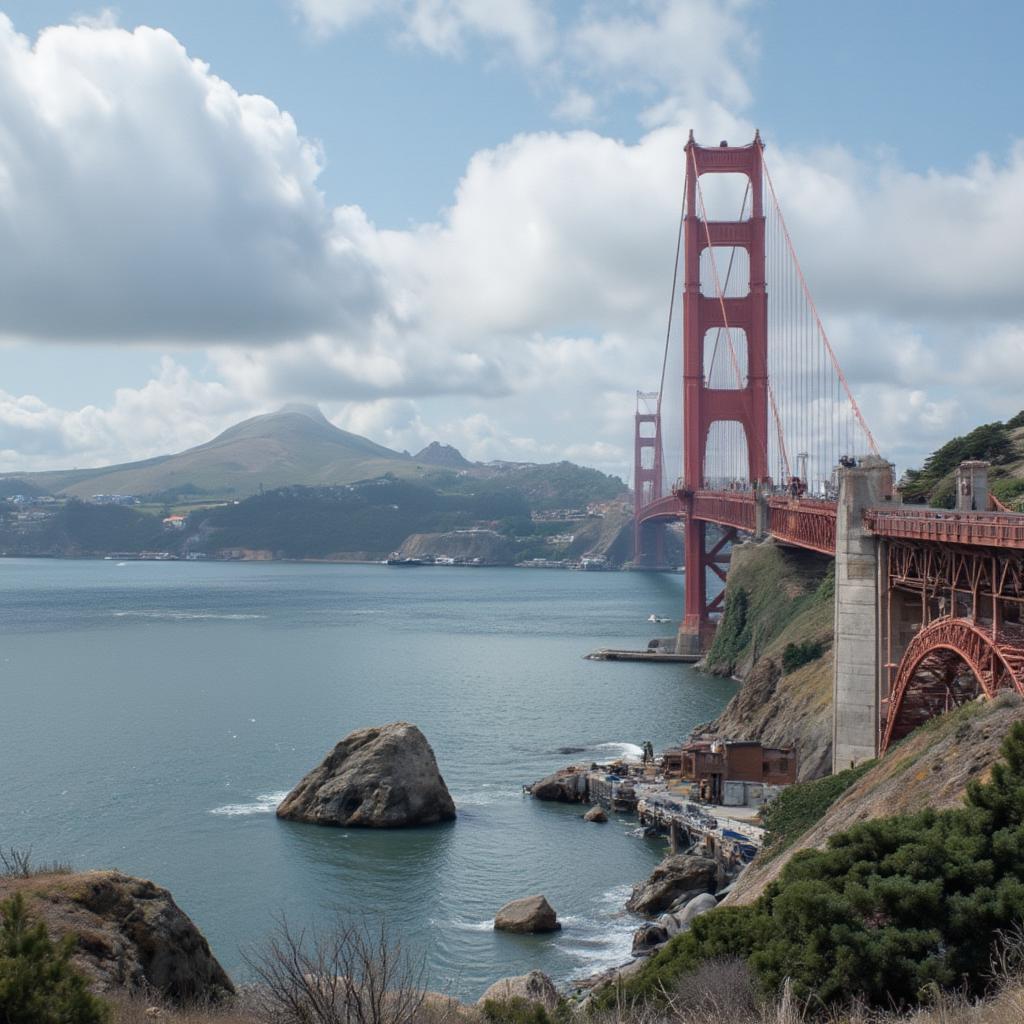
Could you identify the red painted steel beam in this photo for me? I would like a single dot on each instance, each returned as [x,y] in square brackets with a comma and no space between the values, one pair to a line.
[978,529]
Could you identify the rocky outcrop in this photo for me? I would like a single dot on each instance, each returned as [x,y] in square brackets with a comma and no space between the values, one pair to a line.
[596,814]
[567,786]
[437,454]
[527,916]
[129,934]
[648,937]
[383,777]
[676,878]
[535,987]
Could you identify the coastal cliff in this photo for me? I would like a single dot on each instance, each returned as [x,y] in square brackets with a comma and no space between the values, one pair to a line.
[775,638]
[129,934]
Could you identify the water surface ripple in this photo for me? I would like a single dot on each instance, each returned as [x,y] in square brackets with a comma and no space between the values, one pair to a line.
[154,713]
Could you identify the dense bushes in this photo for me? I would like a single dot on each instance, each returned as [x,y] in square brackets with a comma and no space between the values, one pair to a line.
[799,807]
[891,907]
[798,654]
[38,985]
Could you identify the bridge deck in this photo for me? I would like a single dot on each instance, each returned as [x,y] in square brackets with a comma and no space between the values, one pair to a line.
[811,523]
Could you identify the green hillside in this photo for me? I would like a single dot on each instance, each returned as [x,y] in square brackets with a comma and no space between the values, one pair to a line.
[1001,444]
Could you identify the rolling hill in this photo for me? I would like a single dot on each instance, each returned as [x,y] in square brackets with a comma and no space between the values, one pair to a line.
[299,446]
[296,445]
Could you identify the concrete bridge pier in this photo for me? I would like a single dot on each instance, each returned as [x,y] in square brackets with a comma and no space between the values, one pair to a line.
[857,645]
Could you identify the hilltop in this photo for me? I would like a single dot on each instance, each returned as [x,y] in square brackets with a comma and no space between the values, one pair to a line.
[295,445]
[299,446]
[1001,444]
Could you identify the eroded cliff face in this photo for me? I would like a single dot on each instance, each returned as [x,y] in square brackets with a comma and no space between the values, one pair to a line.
[777,597]
[129,933]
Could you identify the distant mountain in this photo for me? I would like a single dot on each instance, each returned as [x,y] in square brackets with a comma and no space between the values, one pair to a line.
[296,445]
[437,454]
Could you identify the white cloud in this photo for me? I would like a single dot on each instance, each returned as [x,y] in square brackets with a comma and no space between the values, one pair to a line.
[157,202]
[576,106]
[675,52]
[444,25]
[170,412]
[142,198]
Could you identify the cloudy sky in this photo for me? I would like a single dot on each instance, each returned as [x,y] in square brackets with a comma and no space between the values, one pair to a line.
[456,219]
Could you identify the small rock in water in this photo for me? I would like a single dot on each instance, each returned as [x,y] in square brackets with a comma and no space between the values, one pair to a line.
[535,987]
[596,814]
[384,777]
[528,915]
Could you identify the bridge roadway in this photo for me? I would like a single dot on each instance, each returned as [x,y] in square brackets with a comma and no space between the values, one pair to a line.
[811,522]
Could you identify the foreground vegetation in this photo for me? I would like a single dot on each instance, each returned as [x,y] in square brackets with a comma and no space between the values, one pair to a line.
[891,910]
[920,915]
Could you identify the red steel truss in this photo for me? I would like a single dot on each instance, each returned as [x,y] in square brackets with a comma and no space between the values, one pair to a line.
[949,662]
[983,529]
[804,523]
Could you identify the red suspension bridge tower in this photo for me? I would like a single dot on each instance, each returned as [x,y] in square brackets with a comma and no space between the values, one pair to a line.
[648,482]
[746,403]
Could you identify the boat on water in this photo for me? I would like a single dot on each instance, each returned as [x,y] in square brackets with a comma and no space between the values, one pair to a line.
[657,618]
[394,560]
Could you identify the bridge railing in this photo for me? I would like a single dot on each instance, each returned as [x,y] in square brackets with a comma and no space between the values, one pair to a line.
[982,529]
[805,522]
[726,508]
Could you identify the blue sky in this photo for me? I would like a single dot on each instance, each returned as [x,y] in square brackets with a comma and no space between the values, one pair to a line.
[399,101]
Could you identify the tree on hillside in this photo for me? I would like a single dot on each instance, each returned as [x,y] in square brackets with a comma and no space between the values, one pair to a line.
[38,985]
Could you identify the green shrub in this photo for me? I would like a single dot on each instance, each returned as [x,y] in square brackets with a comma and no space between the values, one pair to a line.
[800,806]
[796,655]
[516,1010]
[893,907]
[733,633]
[38,985]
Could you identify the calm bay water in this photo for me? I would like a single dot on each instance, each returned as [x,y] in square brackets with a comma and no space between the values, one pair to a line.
[153,714]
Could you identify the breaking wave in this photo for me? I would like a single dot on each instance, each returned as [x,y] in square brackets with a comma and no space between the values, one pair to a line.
[265,803]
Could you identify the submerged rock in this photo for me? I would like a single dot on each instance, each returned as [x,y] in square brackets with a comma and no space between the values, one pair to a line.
[528,915]
[596,814]
[383,777]
[129,934]
[535,987]
[673,879]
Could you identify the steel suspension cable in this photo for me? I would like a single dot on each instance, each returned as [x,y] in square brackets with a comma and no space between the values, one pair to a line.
[814,313]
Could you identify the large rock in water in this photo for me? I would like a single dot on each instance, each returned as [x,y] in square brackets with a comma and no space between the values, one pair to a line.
[129,934]
[535,987]
[675,877]
[383,777]
[528,915]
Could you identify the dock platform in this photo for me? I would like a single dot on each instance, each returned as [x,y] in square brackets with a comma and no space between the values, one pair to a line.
[611,654]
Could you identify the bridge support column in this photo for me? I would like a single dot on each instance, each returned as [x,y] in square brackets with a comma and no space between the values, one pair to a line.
[856,650]
[972,493]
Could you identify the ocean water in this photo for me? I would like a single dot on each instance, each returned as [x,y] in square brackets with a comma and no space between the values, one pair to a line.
[154,713]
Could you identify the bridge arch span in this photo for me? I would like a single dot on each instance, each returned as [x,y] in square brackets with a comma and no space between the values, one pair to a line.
[946,664]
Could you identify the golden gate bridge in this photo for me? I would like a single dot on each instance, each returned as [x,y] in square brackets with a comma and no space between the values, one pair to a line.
[754,431]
